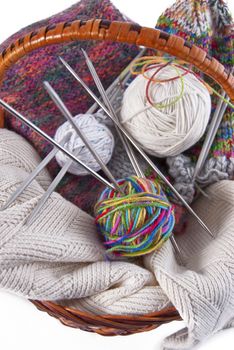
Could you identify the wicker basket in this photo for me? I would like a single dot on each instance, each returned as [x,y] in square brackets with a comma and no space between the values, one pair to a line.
[96,29]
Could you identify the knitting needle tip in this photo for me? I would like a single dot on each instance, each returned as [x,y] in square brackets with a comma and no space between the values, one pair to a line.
[85,54]
[205,227]
[177,250]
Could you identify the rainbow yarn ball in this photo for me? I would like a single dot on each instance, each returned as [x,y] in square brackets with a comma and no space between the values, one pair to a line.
[137,222]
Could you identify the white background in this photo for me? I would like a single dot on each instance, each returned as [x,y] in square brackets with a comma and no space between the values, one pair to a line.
[22,326]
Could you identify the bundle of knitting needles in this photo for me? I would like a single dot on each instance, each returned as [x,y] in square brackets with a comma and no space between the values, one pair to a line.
[133,205]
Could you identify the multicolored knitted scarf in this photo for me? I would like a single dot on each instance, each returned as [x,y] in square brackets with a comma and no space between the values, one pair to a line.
[207,23]
[22,87]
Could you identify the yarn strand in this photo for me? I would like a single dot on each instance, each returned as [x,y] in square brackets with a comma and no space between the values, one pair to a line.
[168,112]
[137,223]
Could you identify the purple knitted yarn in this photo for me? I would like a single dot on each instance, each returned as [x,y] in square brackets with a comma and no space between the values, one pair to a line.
[22,86]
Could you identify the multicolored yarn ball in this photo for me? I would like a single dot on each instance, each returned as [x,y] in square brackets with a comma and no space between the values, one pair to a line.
[137,222]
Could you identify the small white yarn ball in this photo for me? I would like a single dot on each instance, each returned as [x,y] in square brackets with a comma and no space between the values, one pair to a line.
[171,130]
[98,135]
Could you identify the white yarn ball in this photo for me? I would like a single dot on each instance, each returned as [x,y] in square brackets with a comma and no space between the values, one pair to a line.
[98,135]
[171,130]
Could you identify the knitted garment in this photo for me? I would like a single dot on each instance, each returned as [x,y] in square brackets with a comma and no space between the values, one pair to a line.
[22,87]
[59,257]
[208,24]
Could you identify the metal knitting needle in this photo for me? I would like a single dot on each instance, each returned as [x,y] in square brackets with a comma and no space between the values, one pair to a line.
[125,75]
[143,154]
[133,159]
[213,128]
[30,178]
[113,91]
[107,102]
[214,125]
[19,116]
[66,113]
[48,193]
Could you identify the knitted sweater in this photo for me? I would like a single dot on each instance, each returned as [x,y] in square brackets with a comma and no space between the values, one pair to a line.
[59,257]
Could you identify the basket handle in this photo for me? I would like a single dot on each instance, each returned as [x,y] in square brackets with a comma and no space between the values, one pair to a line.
[97,29]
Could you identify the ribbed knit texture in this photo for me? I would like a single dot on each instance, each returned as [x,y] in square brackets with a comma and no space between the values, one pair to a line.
[208,24]
[59,257]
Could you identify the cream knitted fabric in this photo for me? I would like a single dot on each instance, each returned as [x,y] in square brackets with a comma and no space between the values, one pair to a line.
[60,258]
[18,153]
[203,290]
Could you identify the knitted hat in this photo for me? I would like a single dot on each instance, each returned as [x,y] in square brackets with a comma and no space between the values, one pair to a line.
[209,25]
[22,86]
[189,19]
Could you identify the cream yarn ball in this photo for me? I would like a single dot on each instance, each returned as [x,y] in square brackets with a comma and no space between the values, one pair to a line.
[99,136]
[171,130]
